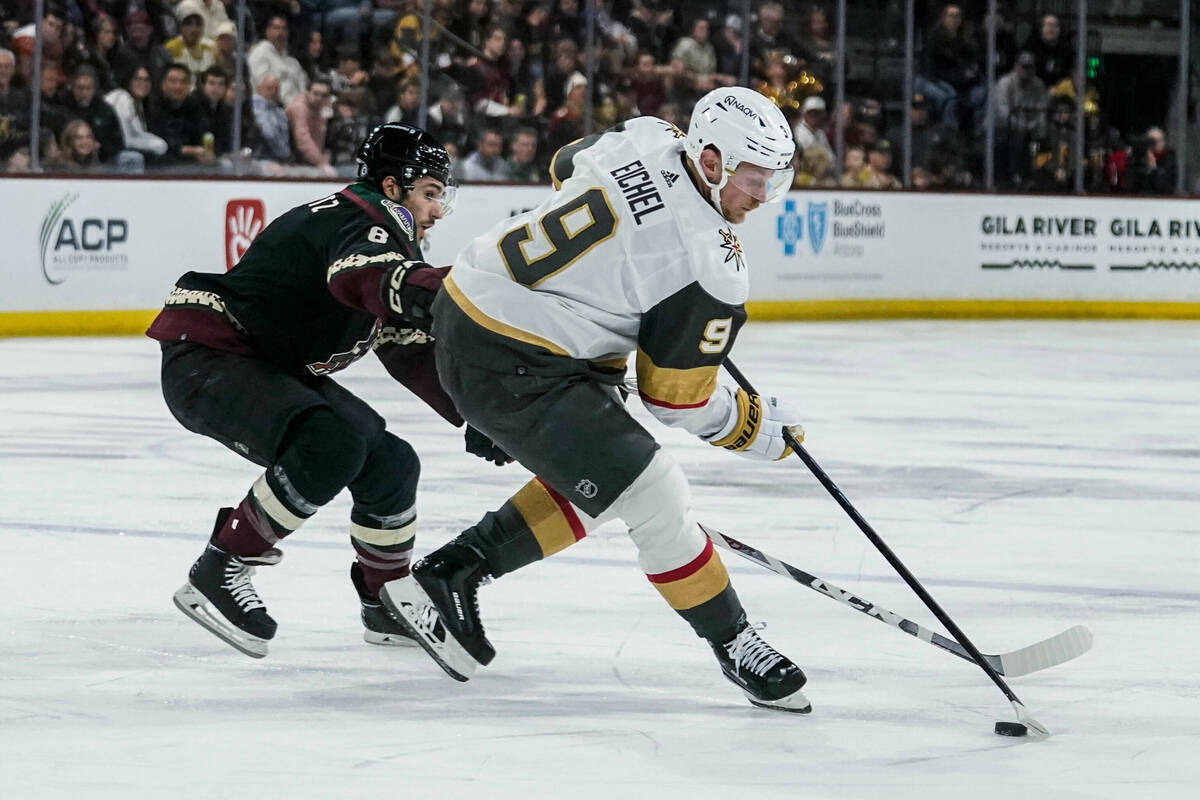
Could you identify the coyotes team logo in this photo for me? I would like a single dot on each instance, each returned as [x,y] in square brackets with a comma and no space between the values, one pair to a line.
[244,219]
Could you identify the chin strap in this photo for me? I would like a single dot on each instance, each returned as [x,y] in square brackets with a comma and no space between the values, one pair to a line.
[714,189]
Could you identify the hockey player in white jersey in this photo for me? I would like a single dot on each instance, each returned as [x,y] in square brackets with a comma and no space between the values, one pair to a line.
[633,252]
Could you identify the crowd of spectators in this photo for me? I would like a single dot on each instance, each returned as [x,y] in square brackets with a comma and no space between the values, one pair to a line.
[150,85]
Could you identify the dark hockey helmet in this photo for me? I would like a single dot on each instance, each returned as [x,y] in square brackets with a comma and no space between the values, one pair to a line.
[406,153]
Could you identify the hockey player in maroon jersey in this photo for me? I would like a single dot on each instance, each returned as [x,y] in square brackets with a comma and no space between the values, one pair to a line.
[247,357]
[633,252]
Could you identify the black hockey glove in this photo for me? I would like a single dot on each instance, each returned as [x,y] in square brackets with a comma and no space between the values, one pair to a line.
[480,445]
[410,291]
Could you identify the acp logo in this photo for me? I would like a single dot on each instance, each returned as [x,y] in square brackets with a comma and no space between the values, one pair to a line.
[69,244]
[244,219]
[790,226]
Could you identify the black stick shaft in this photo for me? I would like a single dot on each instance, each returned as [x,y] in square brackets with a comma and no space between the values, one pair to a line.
[882,547]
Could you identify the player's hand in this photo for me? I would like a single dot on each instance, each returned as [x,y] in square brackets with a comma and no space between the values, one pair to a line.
[410,292]
[480,445]
[758,428]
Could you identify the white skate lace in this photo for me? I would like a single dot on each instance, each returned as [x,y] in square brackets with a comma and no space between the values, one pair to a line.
[749,651]
[237,583]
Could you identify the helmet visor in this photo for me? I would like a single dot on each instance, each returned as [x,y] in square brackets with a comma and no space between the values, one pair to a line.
[764,184]
[449,195]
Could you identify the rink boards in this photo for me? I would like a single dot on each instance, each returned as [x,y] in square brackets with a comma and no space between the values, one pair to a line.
[96,256]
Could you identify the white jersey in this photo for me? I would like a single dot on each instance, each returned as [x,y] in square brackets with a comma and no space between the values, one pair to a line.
[625,255]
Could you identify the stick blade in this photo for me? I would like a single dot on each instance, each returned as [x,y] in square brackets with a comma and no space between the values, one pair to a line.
[1068,645]
[1036,729]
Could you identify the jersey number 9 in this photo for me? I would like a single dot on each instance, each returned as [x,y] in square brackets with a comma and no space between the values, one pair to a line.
[571,230]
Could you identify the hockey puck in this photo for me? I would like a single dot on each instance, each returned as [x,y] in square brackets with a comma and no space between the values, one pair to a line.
[1011,729]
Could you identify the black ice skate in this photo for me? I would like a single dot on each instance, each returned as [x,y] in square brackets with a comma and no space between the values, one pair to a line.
[766,677]
[220,596]
[379,626]
[441,608]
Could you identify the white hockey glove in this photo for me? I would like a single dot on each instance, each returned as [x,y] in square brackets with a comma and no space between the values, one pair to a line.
[755,428]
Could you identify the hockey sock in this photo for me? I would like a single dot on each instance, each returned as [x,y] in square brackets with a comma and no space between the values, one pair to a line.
[383,546]
[269,512]
[701,593]
[534,523]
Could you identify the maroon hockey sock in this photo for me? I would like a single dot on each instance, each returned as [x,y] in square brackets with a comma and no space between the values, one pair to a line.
[380,565]
[248,531]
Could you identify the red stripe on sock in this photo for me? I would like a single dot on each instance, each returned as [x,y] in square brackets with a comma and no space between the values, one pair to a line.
[564,505]
[691,568]
[654,401]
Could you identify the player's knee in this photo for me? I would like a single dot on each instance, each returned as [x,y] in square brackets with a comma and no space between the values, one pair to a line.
[659,499]
[322,454]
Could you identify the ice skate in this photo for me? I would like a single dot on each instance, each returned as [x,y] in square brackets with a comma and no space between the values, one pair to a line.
[408,603]
[379,626]
[220,597]
[766,677]
[451,577]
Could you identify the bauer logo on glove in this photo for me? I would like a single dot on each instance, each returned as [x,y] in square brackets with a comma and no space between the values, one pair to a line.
[756,428]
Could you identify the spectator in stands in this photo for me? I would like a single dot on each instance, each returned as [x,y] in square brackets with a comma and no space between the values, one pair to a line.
[306,118]
[470,26]
[1021,101]
[949,74]
[1153,170]
[879,161]
[810,130]
[533,28]
[648,84]
[103,51]
[786,84]
[81,152]
[407,108]
[695,59]
[129,104]
[485,77]
[349,73]
[524,88]
[770,35]
[178,121]
[138,49]
[653,25]
[314,59]
[54,114]
[85,103]
[1053,158]
[14,106]
[1055,56]
[566,63]
[24,41]
[567,22]
[855,172]
[216,115]
[341,21]
[190,47]
[270,57]
[348,128]
[816,39]
[383,83]
[813,170]
[225,36]
[271,122]
[447,120]
[485,165]
[729,45]
[566,123]
[521,165]
[215,16]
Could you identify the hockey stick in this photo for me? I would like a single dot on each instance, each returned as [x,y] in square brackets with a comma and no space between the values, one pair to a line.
[1047,653]
[1022,715]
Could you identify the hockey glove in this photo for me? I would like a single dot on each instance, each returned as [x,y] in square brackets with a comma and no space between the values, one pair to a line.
[410,290]
[755,428]
[480,445]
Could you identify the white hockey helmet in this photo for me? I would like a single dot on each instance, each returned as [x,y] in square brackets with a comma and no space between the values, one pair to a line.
[752,137]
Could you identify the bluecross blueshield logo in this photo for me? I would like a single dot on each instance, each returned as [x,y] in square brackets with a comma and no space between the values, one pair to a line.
[790,226]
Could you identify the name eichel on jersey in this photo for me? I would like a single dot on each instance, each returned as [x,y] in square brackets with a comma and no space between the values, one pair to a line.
[638,190]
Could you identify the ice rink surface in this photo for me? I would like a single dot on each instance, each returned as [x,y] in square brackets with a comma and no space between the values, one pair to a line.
[1033,474]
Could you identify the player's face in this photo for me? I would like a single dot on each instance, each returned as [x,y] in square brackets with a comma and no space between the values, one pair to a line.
[427,202]
[749,187]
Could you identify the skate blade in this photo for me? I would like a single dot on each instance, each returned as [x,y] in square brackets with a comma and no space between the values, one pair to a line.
[795,702]
[192,603]
[405,599]
[389,639]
